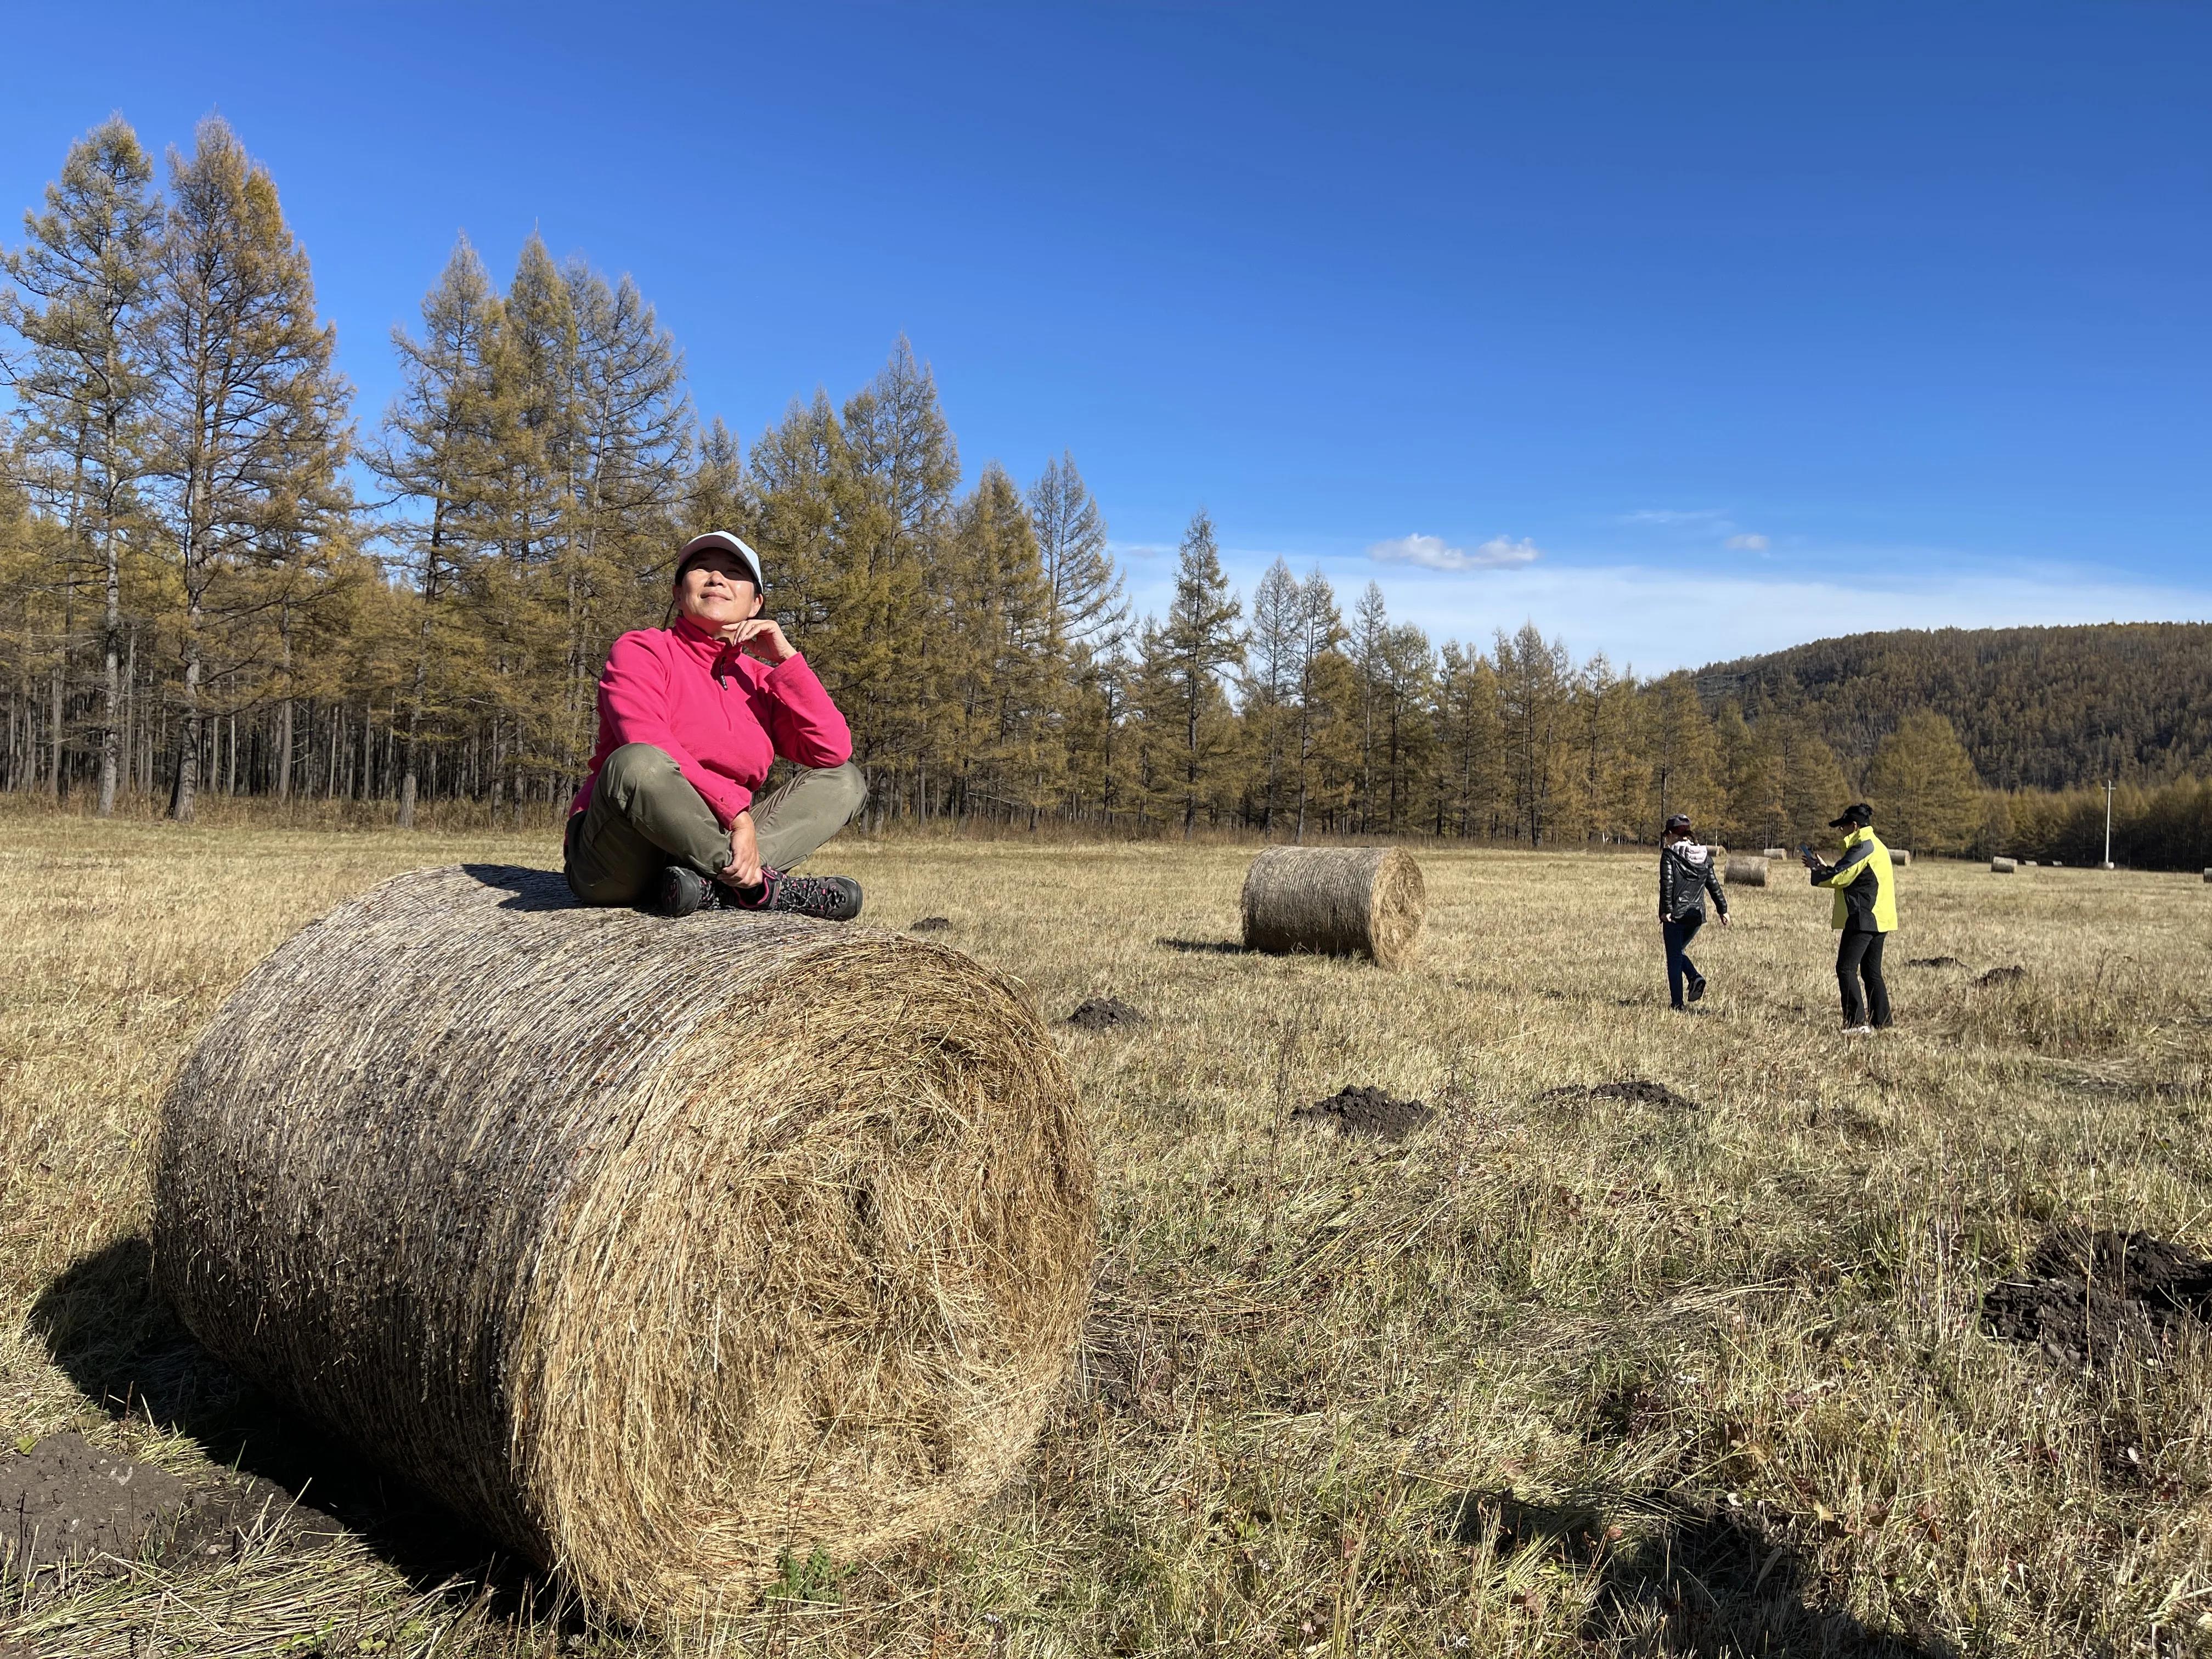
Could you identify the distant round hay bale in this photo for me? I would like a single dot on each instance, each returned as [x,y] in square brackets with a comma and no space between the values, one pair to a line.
[1745,871]
[2208,875]
[2002,866]
[1336,901]
[656,1248]
[1776,852]
[1899,855]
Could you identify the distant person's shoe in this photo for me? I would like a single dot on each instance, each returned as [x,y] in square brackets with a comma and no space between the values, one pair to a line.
[1697,990]
[825,898]
[1858,1030]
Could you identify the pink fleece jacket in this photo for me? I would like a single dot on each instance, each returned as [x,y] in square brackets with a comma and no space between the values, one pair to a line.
[721,715]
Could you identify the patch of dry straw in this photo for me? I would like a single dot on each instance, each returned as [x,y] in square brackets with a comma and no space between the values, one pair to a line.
[657,1249]
[1335,901]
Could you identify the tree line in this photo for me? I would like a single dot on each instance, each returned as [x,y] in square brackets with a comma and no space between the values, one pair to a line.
[217,578]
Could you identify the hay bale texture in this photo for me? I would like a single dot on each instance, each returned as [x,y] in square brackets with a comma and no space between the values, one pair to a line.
[1745,871]
[656,1248]
[1336,901]
[1898,855]
[2002,866]
[1775,854]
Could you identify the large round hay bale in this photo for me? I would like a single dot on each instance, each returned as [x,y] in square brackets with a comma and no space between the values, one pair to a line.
[1745,870]
[2002,866]
[1775,854]
[2208,875]
[1337,901]
[657,1249]
[1899,855]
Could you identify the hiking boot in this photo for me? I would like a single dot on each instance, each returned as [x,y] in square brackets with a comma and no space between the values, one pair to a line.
[1697,989]
[826,898]
[1858,1030]
[682,892]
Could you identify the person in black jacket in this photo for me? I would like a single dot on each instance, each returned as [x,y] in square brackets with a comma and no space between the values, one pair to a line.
[1686,876]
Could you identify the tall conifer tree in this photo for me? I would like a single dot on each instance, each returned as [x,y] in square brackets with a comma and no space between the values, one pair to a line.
[249,413]
[82,286]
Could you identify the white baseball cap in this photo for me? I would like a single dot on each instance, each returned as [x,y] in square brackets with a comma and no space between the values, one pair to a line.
[721,541]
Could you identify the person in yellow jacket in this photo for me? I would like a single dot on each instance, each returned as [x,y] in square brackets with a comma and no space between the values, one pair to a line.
[1865,914]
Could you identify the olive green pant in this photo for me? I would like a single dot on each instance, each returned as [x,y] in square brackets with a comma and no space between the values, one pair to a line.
[645,816]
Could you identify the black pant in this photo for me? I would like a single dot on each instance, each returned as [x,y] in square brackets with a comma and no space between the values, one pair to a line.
[1858,955]
[1680,967]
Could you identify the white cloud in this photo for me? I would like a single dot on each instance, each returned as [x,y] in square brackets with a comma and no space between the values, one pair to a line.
[1139,549]
[1699,515]
[1662,617]
[1746,543]
[1430,553]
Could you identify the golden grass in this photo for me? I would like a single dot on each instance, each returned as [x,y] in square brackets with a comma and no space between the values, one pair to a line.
[1560,1374]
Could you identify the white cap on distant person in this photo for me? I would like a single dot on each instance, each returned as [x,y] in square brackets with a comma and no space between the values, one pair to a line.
[721,541]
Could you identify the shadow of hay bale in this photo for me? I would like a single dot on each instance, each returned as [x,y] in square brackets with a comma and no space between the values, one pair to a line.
[1679,1574]
[111,1333]
[1211,947]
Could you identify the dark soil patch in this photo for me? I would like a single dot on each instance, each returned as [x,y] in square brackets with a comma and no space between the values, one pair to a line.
[2088,1296]
[1103,1014]
[2002,976]
[1934,962]
[1203,947]
[65,1499]
[1637,1091]
[1369,1111]
[929,925]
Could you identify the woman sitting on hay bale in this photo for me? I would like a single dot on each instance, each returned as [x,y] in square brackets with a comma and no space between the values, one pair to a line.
[1686,876]
[691,716]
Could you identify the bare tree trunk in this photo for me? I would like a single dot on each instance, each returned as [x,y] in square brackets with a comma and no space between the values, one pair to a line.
[111,690]
[54,732]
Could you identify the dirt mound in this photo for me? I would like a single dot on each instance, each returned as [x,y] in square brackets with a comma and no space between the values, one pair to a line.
[1368,1111]
[929,925]
[65,1499]
[1103,1014]
[1934,962]
[2002,976]
[2088,1295]
[1637,1091]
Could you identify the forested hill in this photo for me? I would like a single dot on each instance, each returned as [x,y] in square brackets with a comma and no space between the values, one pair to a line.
[2037,708]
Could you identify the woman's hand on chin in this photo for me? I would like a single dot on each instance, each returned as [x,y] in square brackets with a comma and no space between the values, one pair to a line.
[761,637]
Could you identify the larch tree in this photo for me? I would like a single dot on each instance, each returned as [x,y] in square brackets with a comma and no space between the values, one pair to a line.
[79,291]
[901,641]
[437,453]
[1197,640]
[249,415]
[1921,785]
[1271,668]
[1533,685]
[1071,538]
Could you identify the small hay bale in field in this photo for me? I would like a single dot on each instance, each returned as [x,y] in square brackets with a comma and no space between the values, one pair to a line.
[1336,901]
[657,1249]
[2002,866]
[2208,875]
[1898,855]
[1776,855]
[1745,871]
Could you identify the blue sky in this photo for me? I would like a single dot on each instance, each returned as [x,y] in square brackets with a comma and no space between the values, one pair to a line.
[1684,329]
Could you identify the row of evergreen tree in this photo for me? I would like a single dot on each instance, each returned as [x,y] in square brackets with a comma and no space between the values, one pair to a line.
[213,580]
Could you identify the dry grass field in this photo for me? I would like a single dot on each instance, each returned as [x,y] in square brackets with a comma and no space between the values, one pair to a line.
[1558,1373]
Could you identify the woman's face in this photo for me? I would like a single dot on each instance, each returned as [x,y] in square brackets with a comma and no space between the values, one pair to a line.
[717,590]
